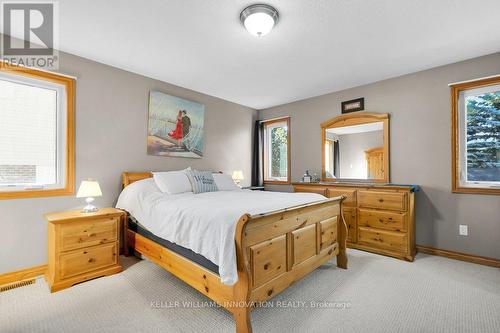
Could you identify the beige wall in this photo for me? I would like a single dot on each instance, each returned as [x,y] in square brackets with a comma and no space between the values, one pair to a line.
[419,105]
[111,125]
[352,152]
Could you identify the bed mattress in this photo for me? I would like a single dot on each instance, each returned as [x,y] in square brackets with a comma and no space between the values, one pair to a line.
[180,250]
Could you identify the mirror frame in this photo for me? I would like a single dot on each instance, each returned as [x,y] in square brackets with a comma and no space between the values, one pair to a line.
[357,118]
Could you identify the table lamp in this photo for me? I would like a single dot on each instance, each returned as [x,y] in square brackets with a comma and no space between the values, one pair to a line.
[89,189]
[238,177]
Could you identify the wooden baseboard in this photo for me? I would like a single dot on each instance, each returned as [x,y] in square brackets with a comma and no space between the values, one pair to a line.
[23,274]
[459,256]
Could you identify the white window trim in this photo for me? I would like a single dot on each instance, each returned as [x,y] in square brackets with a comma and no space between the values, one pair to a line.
[61,123]
[280,122]
[462,137]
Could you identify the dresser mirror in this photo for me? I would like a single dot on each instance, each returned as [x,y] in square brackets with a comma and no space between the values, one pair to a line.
[355,146]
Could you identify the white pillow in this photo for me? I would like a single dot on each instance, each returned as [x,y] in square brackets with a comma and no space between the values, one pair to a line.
[225,182]
[173,182]
[131,195]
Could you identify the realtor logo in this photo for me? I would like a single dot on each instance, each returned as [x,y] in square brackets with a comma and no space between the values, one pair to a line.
[29,34]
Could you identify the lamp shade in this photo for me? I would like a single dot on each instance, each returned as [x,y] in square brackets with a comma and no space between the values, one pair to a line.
[238,175]
[89,188]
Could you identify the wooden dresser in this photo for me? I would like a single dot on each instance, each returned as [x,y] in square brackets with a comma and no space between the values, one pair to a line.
[379,218]
[82,246]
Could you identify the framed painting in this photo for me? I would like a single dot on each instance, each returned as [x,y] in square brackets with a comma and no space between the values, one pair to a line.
[353,105]
[175,126]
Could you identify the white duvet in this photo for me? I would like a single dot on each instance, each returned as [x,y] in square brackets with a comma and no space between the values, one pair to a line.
[205,222]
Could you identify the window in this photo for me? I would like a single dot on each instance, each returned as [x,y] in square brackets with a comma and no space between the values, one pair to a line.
[277,151]
[36,133]
[476,136]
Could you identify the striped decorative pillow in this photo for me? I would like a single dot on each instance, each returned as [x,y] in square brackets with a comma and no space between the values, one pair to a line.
[201,181]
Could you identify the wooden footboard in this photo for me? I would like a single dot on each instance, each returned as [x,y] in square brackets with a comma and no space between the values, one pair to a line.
[273,251]
[276,249]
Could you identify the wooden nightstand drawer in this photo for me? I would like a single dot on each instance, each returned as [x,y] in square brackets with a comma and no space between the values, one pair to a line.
[86,260]
[82,246]
[83,234]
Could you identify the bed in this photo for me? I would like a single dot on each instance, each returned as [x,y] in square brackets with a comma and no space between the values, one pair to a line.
[271,249]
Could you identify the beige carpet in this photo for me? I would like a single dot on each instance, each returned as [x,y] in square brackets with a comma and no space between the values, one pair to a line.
[376,294]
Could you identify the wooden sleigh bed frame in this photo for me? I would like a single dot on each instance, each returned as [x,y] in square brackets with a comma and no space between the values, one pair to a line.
[273,250]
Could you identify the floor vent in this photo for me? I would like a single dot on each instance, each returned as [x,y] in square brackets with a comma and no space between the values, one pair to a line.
[16,285]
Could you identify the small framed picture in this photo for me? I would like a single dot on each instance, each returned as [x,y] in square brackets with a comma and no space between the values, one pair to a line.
[353,105]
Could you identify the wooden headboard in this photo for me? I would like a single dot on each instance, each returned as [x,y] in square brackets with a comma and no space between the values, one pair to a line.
[130,177]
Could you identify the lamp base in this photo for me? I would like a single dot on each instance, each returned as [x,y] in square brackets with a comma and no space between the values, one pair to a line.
[89,208]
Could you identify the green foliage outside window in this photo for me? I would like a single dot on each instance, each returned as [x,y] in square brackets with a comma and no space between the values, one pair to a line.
[279,152]
[483,137]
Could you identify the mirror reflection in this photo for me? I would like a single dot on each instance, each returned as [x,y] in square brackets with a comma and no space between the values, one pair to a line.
[355,152]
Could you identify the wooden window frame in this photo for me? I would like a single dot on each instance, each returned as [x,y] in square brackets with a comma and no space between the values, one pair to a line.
[69,85]
[288,180]
[456,88]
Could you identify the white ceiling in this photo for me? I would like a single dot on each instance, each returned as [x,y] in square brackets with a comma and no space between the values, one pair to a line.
[319,46]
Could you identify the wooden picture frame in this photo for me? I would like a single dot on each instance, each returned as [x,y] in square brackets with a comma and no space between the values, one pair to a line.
[351,119]
[353,105]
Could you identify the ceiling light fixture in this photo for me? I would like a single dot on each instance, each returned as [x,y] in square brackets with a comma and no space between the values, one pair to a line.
[259,19]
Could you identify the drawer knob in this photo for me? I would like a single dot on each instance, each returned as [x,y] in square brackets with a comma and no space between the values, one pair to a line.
[91,260]
[266,266]
[380,200]
[269,292]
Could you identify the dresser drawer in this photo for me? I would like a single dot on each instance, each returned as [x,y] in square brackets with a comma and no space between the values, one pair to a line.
[88,233]
[86,260]
[382,219]
[389,240]
[350,195]
[311,189]
[382,200]
[268,259]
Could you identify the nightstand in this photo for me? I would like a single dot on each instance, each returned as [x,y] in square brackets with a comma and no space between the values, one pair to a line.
[82,246]
[254,188]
